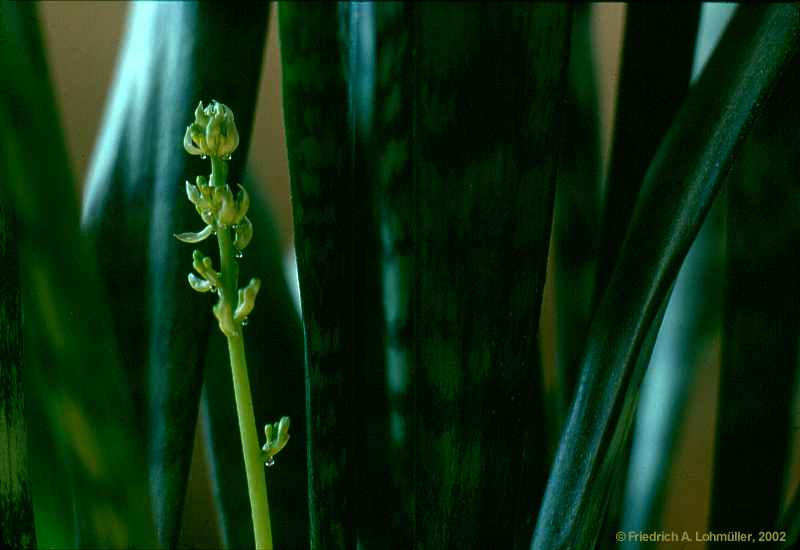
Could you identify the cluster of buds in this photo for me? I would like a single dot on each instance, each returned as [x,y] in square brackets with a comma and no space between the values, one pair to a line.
[213,132]
[219,210]
[277,435]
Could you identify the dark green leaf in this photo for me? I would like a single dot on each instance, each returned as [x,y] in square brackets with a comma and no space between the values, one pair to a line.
[98,469]
[466,153]
[327,204]
[657,55]
[762,320]
[16,508]
[690,329]
[690,322]
[676,195]
[658,50]
[275,366]
[577,210]
[175,55]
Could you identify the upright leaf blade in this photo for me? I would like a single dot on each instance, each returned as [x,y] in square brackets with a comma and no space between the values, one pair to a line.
[175,55]
[678,189]
[466,201]
[762,319]
[328,206]
[16,507]
[86,404]
[576,220]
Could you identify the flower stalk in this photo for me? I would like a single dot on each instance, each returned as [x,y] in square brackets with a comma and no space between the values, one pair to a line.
[213,134]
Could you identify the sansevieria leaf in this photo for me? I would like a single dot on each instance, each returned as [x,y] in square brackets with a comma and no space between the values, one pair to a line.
[755,421]
[678,188]
[93,481]
[466,207]
[16,506]
[327,208]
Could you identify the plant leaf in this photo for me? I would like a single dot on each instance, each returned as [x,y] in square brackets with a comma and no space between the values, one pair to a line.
[676,195]
[762,320]
[175,54]
[658,50]
[83,410]
[689,331]
[16,507]
[657,55]
[465,202]
[576,215]
[275,367]
[327,206]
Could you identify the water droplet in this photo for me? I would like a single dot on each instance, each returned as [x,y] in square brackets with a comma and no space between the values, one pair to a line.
[228,157]
[270,463]
[245,321]
[204,157]
[239,254]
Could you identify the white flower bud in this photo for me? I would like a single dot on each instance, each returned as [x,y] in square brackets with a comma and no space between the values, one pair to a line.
[243,234]
[247,300]
[213,131]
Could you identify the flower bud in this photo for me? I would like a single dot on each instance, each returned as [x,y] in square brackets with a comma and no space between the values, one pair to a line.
[203,186]
[195,237]
[242,204]
[213,131]
[247,300]
[199,284]
[243,233]
[194,194]
[277,436]
[227,205]
[222,311]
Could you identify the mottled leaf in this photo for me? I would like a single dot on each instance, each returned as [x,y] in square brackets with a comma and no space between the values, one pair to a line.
[677,192]
[97,472]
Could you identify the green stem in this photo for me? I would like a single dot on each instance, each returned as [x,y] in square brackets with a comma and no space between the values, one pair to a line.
[254,468]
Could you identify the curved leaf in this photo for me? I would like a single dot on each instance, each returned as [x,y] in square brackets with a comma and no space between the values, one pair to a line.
[691,324]
[676,195]
[175,54]
[97,473]
[657,55]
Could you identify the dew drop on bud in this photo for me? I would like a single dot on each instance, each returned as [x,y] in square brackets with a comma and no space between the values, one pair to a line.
[245,321]
[239,254]
[270,463]
[204,157]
